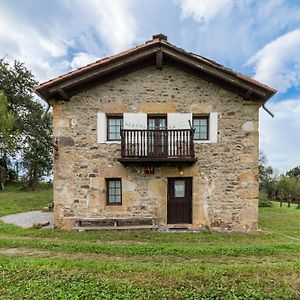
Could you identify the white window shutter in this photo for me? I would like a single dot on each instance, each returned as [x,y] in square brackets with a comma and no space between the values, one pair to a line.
[101,127]
[180,120]
[135,121]
[213,127]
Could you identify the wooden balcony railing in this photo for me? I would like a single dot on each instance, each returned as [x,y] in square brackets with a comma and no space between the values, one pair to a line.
[157,145]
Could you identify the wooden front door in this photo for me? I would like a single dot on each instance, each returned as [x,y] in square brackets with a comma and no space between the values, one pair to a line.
[157,137]
[179,201]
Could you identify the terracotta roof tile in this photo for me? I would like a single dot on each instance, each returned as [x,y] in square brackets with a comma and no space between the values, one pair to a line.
[156,41]
[96,63]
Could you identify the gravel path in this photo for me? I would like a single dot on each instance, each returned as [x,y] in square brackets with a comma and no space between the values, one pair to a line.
[28,219]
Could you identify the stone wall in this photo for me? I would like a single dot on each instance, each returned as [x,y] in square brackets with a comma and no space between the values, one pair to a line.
[225,176]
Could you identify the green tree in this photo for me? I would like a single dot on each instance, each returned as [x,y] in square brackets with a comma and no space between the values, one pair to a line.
[37,159]
[288,187]
[285,186]
[295,172]
[7,121]
[7,137]
[32,134]
[268,177]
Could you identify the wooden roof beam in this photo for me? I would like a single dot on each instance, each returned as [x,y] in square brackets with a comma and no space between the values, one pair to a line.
[230,79]
[159,59]
[248,94]
[102,70]
[63,94]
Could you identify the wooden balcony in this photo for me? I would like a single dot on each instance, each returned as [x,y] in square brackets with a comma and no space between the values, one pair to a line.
[176,145]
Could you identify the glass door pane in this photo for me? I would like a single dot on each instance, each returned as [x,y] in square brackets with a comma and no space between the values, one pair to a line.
[179,188]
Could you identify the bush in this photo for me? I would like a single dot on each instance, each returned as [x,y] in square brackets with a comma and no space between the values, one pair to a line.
[264,202]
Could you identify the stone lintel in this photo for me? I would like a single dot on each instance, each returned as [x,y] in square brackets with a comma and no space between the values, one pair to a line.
[157,107]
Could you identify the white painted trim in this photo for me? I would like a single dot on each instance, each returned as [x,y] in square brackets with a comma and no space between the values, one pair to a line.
[113,142]
[179,120]
[101,128]
[202,142]
[135,121]
[213,127]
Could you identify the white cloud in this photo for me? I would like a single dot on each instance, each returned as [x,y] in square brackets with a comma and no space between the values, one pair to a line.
[203,10]
[231,31]
[278,63]
[81,59]
[279,136]
[112,21]
[69,35]
[277,14]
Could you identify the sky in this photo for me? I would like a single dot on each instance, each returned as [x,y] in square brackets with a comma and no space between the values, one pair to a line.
[258,38]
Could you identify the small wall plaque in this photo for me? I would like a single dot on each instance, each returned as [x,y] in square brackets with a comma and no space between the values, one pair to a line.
[149,170]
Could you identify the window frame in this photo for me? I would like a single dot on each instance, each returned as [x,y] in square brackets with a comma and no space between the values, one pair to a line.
[157,118]
[108,180]
[207,131]
[110,117]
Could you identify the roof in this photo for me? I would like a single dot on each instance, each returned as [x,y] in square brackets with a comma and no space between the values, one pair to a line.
[156,51]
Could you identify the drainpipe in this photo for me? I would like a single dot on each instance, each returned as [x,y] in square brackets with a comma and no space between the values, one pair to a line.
[48,105]
[268,111]
[45,111]
[264,105]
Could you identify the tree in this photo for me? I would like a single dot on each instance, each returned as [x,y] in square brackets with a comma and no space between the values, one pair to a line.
[267,176]
[295,172]
[37,159]
[31,133]
[7,135]
[7,122]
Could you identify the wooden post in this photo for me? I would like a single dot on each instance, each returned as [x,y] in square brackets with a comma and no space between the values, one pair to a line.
[289,201]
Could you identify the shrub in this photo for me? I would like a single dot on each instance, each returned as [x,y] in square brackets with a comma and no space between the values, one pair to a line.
[263,201]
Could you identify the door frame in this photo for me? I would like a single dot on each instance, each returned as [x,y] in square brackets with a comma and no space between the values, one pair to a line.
[159,145]
[190,185]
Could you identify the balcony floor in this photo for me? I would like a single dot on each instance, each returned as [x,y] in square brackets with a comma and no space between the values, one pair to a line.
[156,159]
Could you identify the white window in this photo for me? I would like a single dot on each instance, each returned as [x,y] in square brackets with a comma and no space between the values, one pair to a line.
[114,126]
[201,126]
[109,126]
[206,128]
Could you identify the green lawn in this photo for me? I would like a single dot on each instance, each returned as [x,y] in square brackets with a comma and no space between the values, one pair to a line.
[13,200]
[54,264]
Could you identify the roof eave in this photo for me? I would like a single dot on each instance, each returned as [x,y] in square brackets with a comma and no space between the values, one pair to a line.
[250,86]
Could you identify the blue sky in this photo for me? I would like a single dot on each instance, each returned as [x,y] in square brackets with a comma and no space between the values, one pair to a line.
[258,38]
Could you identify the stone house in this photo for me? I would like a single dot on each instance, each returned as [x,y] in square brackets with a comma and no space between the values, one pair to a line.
[156,133]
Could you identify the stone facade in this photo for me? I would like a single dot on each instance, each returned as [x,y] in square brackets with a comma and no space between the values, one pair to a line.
[225,176]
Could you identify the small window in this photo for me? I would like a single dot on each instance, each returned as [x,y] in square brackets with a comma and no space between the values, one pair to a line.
[179,188]
[114,125]
[114,191]
[200,124]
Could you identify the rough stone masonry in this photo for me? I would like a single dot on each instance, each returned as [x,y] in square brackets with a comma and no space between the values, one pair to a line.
[225,176]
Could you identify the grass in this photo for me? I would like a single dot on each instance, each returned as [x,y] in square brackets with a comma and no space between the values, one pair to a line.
[55,264]
[14,200]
